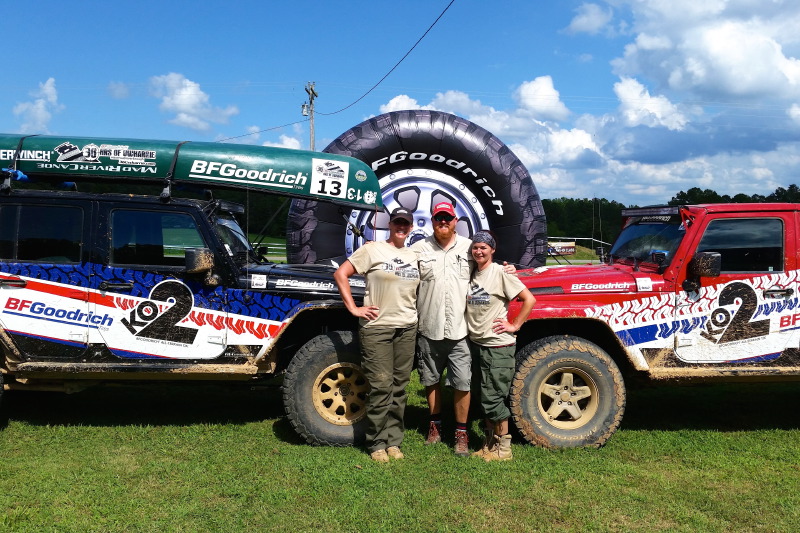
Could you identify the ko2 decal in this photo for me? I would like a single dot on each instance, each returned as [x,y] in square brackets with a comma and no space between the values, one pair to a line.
[148,320]
[723,327]
[161,326]
[739,325]
[726,323]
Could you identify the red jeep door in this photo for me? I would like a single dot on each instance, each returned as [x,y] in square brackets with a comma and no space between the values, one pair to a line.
[743,311]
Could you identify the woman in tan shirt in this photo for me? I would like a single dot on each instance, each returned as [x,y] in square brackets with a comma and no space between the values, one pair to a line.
[492,339]
[388,321]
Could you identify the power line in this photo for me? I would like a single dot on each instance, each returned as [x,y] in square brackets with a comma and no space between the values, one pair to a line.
[261,131]
[396,64]
[363,95]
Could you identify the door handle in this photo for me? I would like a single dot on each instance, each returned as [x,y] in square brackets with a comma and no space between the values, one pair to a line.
[16,282]
[778,293]
[106,286]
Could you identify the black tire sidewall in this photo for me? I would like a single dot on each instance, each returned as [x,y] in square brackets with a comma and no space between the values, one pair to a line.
[298,389]
[401,140]
[597,430]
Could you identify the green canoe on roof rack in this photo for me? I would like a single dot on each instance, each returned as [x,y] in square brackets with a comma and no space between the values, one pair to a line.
[314,175]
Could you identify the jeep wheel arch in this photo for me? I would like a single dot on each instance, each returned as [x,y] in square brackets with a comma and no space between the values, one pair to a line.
[567,392]
[421,158]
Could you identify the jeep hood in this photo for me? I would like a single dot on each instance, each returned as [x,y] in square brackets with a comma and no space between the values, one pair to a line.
[302,281]
[589,279]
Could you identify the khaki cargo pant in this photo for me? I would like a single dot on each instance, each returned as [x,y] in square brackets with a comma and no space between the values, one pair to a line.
[387,357]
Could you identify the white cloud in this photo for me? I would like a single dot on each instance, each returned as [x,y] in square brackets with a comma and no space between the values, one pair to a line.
[558,183]
[739,59]
[709,96]
[541,99]
[590,18]
[794,113]
[715,48]
[459,102]
[637,107]
[586,161]
[400,103]
[285,142]
[569,145]
[36,114]
[192,106]
[653,42]
[118,90]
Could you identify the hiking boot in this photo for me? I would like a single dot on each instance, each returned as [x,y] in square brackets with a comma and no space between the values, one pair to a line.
[500,449]
[434,434]
[461,447]
[394,452]
[379,456]
[487,442]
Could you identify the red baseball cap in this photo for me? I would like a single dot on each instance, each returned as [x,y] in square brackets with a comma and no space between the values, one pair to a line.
[443,207]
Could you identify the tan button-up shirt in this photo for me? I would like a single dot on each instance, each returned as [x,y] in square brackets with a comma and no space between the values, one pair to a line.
[444,282]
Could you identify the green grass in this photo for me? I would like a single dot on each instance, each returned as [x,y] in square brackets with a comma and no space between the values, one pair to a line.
[221,458]
[581,254]
[276,247]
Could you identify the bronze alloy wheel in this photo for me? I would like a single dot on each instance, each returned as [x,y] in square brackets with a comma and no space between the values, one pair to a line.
[568,398]
[567,392]
[340,394]
[325,391]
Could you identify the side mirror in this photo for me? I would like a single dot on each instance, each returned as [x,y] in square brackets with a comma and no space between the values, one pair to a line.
[199,260]
[704,264]
[601,253]
[658,257]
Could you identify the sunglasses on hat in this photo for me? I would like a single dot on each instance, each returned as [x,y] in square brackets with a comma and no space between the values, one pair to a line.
[443,217]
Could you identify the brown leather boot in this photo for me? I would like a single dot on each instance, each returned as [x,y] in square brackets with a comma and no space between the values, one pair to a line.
[487,442]
[433,434]
[500,450]
[461,447]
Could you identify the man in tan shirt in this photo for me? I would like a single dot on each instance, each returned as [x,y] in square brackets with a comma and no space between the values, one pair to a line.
[444,266]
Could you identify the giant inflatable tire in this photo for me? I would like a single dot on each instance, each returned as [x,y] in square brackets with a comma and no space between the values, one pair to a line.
[422,158]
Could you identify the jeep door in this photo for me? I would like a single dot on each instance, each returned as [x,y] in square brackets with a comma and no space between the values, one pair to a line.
[740,315]
[157,310]
[44,277]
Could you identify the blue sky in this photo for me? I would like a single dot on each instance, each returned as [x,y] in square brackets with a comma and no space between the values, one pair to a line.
[629,100]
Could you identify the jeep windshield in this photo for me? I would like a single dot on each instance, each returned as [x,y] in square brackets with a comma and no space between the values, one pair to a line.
[648,238]
[234,239]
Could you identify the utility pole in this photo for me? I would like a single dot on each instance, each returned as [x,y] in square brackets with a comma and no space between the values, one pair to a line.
[308,108]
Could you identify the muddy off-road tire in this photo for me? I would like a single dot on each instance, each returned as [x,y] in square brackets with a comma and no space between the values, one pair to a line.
[567,392]
[422,158]
[325,391]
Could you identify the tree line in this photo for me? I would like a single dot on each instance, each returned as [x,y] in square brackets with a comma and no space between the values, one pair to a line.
[696,195]
[599,218]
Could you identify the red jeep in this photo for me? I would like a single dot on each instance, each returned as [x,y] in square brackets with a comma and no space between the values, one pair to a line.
[704,292]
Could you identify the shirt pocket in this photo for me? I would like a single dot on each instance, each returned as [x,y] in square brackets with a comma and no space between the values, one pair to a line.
[463,267]
[427,268]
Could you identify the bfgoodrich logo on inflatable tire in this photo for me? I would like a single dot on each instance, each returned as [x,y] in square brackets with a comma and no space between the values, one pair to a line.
[422,158]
